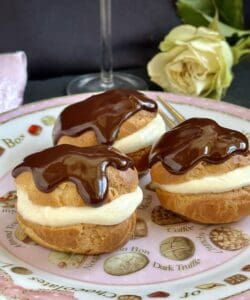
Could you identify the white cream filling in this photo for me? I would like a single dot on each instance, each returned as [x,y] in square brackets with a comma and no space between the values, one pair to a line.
[111,213]
[235,179]
[143,137]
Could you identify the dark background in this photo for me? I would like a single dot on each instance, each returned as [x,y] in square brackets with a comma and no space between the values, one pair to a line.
[61,38]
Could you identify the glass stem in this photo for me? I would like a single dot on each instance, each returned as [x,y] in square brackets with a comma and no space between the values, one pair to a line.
[106,45]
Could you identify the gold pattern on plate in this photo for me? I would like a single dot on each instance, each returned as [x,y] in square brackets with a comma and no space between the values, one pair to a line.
[208,286]
[8,200]
[1,150]
[22,236]
[228,238]
[177,248]
[246,268]
[125,263]
[21,271]
[129,297]
[236,279]
[162,216]
[141,229]
[66,260]
[48,120]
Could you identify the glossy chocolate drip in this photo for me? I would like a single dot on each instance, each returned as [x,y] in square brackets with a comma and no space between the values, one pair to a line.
[194,140]
[86,167]
[104,113]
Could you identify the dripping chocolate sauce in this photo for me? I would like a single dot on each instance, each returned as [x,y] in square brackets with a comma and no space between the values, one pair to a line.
[86,167]
[103,113]
[195,140]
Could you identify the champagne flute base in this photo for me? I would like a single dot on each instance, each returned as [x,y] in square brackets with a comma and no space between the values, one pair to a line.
[93,83]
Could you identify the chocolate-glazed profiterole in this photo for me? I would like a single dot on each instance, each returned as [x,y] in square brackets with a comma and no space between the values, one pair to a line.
[194,140]
[201,171]
[86,167]
[125,119]
[104,113]
[79,200]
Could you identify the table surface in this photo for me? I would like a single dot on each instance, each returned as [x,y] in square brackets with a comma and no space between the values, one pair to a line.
[54,87]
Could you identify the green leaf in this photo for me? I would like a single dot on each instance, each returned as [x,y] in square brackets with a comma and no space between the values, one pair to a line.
[206,6]
[241,49]
[201,13]
[227,30]
[231,12]
[191,11]
[214,24]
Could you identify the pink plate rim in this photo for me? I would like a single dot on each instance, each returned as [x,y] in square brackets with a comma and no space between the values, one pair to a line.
[220,106]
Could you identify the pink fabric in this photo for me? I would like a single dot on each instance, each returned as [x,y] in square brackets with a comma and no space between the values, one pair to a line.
[13,78]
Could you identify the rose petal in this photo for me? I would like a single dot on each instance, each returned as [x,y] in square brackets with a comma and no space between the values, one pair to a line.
[182,33]
[208,33]
[197,61]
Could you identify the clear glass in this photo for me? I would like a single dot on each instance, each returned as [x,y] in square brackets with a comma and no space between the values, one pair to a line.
[106,79]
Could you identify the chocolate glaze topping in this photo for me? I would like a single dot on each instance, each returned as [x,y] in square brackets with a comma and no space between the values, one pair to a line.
[194,140]
[104,113]
[86,167]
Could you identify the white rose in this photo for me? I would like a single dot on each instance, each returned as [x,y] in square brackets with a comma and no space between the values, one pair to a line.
[193,61]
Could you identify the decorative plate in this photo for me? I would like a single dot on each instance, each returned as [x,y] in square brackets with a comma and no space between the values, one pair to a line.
[169,258]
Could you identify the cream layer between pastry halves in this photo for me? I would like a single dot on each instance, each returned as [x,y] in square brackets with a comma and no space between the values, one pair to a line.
[111,213]
[229,181]
[143,137]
